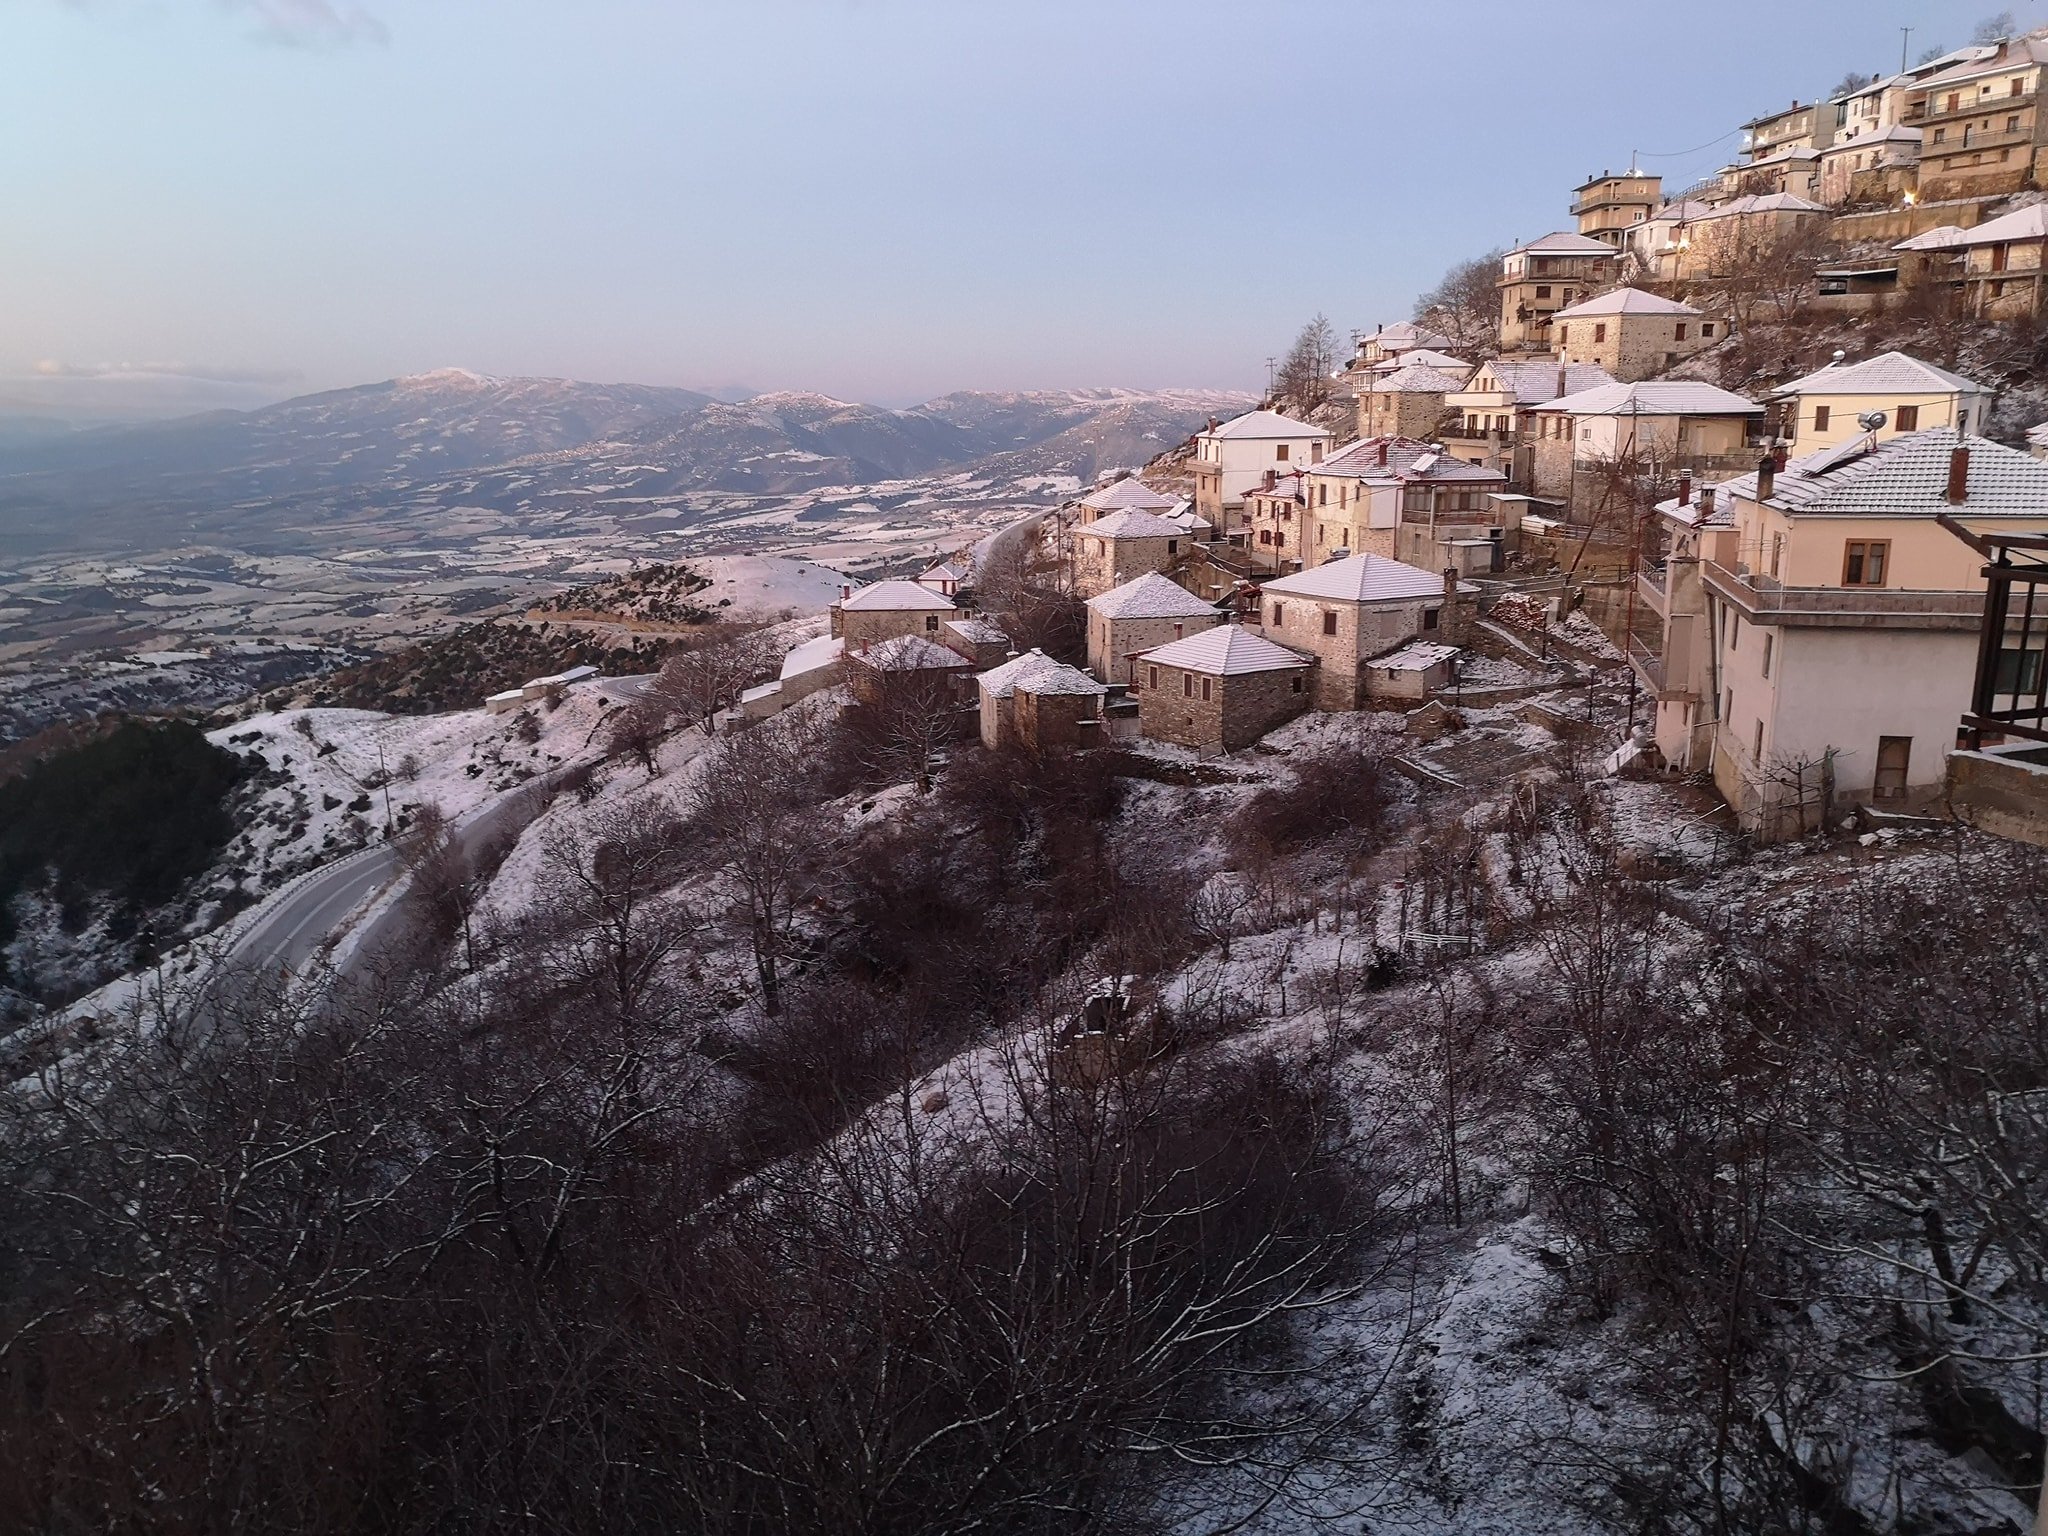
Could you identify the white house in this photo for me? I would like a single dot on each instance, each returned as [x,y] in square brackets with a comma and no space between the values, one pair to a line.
[1232,457]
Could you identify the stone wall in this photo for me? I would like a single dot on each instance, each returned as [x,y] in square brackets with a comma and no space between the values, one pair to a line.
[1048,720]
[1100,564]
[1236,712]
[1400,413]
[863,627]
[1631,347]
[1362,630]
[1110,641]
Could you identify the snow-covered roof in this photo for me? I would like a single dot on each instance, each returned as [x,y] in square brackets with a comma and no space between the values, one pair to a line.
[1286,487]
[1897,133]
[1361,579]
[1681,210]
[1625,301]
[1227,651]
[1150,596]
[977,631]
[1266,424]
[907,653]
[508,696]
[1129,492]
[1407,459]
[1761,202]
[2027,224]
[894,597]
[1798,154]
[1426,356]
[1991,59]
[1128,524]
[943,572]
[1415,379]
[1906,476]
[1187,520]
[2038,435]
[1563,242]
[1889,373]
[999,682]
[1655,397]
[1404,335]
[1532,383]
[1056,677]
[811,655]
[1943,237]
[1415,656]
[563,679]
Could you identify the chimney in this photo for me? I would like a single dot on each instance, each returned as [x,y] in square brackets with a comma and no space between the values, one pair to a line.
[1685,488]
[1269,479]
[1450,581]
[1706,501]
[845,590]
[1560,378]
[1383,453]
[1214,423]
[1766,477]
[1959,475]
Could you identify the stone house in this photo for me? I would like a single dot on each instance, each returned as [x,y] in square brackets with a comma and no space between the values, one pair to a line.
[1488,421]
[1401,499]
[1220,690]
[806,668]
[981,642]
[1058,708]
[869,672]
[1407,402]
[1728,233]
[887,609]
[1130,494]
[1373,349]
[1349,611]
[1610,207]
[1276,521]
[997,694]
[1144,613]
[1538,279]
[1593,448]
[1119,545]
[1825,407]
[946,578]
[1410,673]
[1658,248]
[1233,456]
[1880,166]
[1631,334]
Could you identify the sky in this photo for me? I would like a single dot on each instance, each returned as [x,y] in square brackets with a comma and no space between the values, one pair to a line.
[221,202]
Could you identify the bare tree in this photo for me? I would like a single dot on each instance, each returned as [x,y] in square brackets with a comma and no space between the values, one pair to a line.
[1304,376]
[1465,305]
[906,719]
[636,731]
[1995,28]
[706,679]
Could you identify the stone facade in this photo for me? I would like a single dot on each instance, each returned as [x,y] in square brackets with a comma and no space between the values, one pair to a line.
[1211,713]
[1343,636]
[1112,642]
[861,627]
[1400,413]
[1633,347]
[1044,721]
[1102,562]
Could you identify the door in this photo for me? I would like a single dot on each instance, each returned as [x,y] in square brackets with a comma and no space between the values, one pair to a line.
[1894,756]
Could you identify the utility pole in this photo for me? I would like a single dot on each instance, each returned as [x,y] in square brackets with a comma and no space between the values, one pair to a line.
[1271,364]
[384,775]
[1905,38]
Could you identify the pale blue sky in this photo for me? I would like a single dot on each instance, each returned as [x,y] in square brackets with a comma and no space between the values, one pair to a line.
[881,199]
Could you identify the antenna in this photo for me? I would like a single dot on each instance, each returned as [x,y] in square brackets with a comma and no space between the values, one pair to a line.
[1271,364]
[1905,36]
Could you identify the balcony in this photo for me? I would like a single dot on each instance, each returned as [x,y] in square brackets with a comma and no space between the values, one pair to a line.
[1649,666]
[1652,587]
[1934,109]
[1764,600]
[1996,138]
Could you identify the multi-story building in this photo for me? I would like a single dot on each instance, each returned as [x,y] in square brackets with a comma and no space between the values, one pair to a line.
[1402,499]
[1631,333]
[1982,131]
[1820,623]
[1540,278]
[1145,612]
[1276,521]
[1233,456]
[1660,245]
[1595,450]
[1609,207]
[1128,494]
[2003,262]
[1809,125]
[1489,421]
[1828,406]
[1877,167]
[1120,545]
[1389,342]
[1407,402]
[1349,611]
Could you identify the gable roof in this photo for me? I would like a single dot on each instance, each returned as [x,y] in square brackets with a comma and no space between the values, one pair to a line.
[1942,237]
[1625,301]
[1266,424]
[1889,373]
[1761,202]
[977,631]
[1000,681]
[1228,650]
[1991,59]
[1361,579]
[1128,524]
[1057,677]
[1906,476]
[908,653]
[1415,379]
[1563,242]
[2027,224]
[1655,397]
[1407,459]
[1404,335]
[1128,492]
[1150,596]
[943,571]
[894,597]
[811,655]
[1425,356]
[1287,487]
[1532,382]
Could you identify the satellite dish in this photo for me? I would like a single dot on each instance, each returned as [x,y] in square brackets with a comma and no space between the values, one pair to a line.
[1870,421]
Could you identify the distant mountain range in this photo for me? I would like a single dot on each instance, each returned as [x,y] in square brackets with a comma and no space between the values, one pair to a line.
[316,469]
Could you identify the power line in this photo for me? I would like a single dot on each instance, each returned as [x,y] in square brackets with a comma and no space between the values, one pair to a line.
[1678,154]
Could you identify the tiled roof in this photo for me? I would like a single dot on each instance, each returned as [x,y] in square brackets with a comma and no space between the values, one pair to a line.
[2038,436]
[1656,397]
[1228,650]
[1625,301]
[1564,242]
[1761,202]
[1057,677]
[2027,224]
[1424,356]
[977,631]
[1897,133]
[1943,237]
[1407,459]
[1906,476]
[894,597]
[1403,335]
[1415,379]
[907,653]
[1361,579]
[1415,656]
[1150,596]
[1001,681]
[1128,492]
[1128,524]
[1991,59]
[1684,209]
[1532,383]
[943,572]
[1889,373]
[1267,424]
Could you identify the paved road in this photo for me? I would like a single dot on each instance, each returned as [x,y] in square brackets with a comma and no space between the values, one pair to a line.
[305,915]
[627,689]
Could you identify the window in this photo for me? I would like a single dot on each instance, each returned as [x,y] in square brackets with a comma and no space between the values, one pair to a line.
[1821,413]
[1756,750]
[1296,688]
[2012,124]
[1728,705]
[1205,690]
[1599,333]
[1319,533]
[1777,552]
[1431,618]
[1564,336]
[1680,334]
[1543,290]
[2013,87]
[1315,453]
[1179,630]
[1863,562]
[1734,631]
[2018,671]
[1770,646]
[1187,685]
[1173,546]
[1151,677]
[1706,329]
[1894,758]
[1323,495]
[1280,451]
[931,623]
[1907,418]
[1329,621]
[1940,134]
[1277,607]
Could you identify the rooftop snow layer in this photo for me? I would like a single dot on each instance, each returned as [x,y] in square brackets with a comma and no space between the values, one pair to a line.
[1227,651]
[1361,579]
[1150,596]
